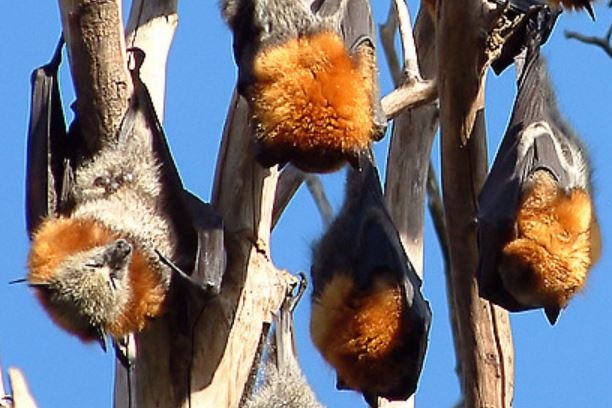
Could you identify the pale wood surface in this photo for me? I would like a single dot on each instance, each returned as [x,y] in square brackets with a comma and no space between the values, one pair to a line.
[484,337]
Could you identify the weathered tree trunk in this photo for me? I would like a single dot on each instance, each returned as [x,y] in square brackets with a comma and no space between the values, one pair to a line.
[484,336]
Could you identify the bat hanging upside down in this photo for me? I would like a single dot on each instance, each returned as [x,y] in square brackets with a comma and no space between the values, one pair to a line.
[369,319]
[310,76]
[110,228]
[538,231]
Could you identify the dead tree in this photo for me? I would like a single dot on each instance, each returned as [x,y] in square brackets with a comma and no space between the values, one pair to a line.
[212,364]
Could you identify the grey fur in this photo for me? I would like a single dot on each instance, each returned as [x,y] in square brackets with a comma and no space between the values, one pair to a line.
[120,188]
[288,389]
[278,20]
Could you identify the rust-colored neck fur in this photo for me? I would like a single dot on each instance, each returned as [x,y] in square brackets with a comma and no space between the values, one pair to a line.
[557,240]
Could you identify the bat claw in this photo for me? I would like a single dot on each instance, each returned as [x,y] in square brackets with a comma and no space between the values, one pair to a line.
[125,351]
[589,9]
[102,342]
[552,314]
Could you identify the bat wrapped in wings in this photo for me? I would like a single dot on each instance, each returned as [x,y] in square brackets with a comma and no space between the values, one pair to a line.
[537,228]
[111,229]
[369,319]
[309,73]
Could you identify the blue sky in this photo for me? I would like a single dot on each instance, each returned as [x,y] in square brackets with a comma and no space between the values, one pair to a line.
[566,365]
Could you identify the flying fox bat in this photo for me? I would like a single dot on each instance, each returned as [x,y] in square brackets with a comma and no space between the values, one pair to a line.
[309,73]
[111,229]
[369,319]
[537,228]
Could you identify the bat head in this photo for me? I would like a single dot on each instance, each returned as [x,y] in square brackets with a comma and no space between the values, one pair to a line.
[520,280]
[80,275]
[89,289]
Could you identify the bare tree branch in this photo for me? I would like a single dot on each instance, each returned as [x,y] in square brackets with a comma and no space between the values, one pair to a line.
[226,337]
[151,27]
[409,95]
[93,32]
[289,182]
[484,339]
[318,194]
[601,42]
[20,396]
[411,140]
[411,90]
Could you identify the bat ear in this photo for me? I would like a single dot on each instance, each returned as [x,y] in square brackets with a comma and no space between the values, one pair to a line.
[552,313]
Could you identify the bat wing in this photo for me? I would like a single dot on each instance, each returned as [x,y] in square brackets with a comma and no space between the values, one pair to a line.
[198,229]
[380,249]
[48,149]
[358,31]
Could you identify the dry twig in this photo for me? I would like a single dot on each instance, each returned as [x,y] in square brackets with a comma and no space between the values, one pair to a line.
[601,42]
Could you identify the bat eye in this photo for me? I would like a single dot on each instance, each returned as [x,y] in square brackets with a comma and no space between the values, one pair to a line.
[94,263]
[102,181]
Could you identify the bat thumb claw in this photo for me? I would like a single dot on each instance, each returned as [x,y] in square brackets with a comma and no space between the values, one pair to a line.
[589,9]
[552,314]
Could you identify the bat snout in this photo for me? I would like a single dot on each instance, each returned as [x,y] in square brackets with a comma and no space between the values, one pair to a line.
[118,254]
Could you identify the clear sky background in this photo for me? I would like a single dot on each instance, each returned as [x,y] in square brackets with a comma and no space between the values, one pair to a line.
[569,365]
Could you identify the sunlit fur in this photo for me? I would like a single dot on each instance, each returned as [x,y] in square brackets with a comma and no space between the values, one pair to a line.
[312,101]
[556,245]
[361,334]
[57,246]
[286,389]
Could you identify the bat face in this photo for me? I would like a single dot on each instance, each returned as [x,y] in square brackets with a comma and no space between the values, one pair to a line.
[538,231]
[91,283]
[299,71]
[369,319]
[89,289]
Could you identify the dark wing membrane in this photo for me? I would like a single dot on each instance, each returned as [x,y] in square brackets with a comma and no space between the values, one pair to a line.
[358,31]
[380,248]
[211,259]
[198,229]
[497,206]
[499,198]
[47,146]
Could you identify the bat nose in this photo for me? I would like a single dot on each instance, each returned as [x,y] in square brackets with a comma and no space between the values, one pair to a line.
[122,248]
[118,254]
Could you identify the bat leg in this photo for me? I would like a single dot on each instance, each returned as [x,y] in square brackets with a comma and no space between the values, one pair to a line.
[589,9]
[125,351]
[102,341]
[194,287]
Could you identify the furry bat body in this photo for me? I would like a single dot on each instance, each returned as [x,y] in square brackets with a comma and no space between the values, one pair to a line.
[369,319]
[309,73]
[110,228]
[283,383]
[538,232]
